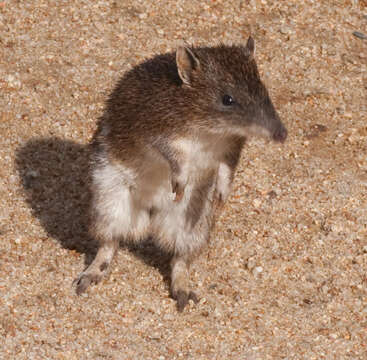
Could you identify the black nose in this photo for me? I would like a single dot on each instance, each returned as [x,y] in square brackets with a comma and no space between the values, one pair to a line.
[280,134]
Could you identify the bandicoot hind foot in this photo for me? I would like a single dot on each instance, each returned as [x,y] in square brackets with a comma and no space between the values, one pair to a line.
[85,279]
[97,269]
[182,297]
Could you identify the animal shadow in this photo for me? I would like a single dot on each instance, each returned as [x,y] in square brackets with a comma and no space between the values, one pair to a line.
[55,175]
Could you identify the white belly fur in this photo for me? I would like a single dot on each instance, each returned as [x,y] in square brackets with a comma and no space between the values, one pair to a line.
[122,212]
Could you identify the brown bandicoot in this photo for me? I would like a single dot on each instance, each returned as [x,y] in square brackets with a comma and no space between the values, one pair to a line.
[166,150]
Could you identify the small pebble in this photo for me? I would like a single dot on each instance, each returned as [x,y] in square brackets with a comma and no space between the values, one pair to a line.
[251,263]
[285,30]
[320,127]
[360,35]
[258,270]
[217,313]
[272,194]
[257,203]
[12,81]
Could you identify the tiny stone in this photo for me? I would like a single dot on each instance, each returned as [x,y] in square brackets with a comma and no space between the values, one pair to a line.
[325,289]
[237,297]
[12,81]
[251,262]
[284,30]
[320,127]
[168,317]
[217,313]
[202,300]
[258,270]
[359,35]
[337,228]
[13,179]
[10,78]
[257,203]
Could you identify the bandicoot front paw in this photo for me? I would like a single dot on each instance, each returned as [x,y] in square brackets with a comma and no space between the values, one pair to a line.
[178,189]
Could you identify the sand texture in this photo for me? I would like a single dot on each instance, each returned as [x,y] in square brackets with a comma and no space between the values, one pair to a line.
[285,274]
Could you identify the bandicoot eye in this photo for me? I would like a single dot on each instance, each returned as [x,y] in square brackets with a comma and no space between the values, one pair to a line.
[227,100]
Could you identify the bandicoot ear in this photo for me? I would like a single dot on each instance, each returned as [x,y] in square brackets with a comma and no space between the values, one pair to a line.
[250,46]
[187,62]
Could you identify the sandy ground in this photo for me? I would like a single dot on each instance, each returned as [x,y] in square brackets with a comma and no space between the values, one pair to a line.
[285,276]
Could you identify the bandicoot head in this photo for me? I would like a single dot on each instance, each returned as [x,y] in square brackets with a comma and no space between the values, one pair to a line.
[224,82]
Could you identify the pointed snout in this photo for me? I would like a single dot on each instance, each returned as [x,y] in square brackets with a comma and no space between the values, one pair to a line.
[280,134]
[272,122]
[268,119]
